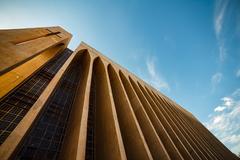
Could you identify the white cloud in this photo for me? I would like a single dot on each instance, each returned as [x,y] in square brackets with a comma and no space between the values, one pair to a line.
[238,73]
[220,10]
[219,108]
[224,122]
[235,149]
[232,139]
[155,79]
[218,119]
[236,111]
[227,101]
[215,80]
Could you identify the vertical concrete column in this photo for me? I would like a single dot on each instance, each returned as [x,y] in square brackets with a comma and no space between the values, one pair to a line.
[216,143]
[133,138]
[167,140]
[181,129]
[189,130]
[186,117]
[155,144]
[212,140]
[75,141]
[109,144]
[194,124]
[177,137]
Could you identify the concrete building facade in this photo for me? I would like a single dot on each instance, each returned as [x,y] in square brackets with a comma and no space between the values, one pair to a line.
[60,104]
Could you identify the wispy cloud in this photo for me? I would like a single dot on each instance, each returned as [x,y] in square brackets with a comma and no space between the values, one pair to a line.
[220,108]
[228,101]
[215,80]
[236,93]
[238,73]
[220,9]
[225,121]
[222,50]
[156,79]
[219,14]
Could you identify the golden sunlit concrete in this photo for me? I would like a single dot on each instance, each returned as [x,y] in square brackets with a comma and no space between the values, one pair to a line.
[23,51]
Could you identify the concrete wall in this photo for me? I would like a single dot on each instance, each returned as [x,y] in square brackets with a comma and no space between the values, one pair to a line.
[140,121]
[23,51]
[131,119]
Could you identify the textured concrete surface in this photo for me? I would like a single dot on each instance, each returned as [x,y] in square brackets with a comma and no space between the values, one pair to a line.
[23,51]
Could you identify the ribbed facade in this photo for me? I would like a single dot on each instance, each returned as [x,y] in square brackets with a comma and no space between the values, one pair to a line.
[81,105]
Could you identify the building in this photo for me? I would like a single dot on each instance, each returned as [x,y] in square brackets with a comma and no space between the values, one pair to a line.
[59,104]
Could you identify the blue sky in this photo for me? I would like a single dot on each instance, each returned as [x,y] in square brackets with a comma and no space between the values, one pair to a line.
[189,49]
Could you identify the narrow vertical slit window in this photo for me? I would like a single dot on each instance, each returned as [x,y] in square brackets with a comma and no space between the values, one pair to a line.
[45,138]
[90,146]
